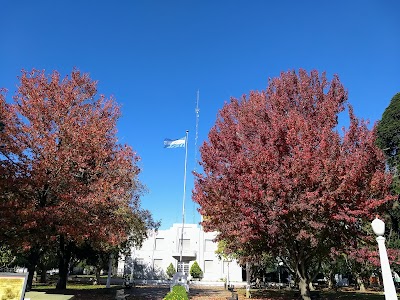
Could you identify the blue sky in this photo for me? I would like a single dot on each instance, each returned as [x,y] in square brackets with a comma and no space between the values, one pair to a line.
[153,56]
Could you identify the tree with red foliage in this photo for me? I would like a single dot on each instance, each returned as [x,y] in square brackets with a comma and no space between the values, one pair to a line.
[69,180]
[279,177]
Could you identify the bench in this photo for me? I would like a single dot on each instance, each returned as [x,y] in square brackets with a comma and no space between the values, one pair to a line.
[120,295]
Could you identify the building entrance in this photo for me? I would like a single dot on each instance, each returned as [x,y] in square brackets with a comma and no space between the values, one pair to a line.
[183,267]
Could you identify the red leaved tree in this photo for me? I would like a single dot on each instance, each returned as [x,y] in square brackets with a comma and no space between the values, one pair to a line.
[280,178]
[69,179]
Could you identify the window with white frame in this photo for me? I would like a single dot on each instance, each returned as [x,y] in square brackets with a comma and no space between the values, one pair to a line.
[209,246]
[160,244]
[208,266]
[186,244]
[225,267]
[158,263]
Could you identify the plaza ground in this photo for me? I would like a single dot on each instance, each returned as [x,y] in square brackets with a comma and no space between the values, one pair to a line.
[147,292]
[140,292]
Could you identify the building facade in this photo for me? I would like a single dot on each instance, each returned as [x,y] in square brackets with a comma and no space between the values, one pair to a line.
[164,247]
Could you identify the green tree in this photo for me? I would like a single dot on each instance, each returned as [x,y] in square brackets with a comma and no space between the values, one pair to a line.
[6,256]
[178,292]
[388,137]
[171,270]
[195,270]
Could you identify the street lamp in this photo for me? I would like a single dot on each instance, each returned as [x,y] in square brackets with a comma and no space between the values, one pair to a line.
[378,226]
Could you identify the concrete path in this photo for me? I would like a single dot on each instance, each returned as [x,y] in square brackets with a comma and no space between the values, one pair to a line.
[43,296]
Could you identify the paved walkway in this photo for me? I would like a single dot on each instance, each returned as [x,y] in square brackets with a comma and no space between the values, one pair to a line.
[43,296]
[158,293]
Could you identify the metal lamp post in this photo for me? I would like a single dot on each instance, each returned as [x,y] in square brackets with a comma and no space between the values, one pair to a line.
[378,226]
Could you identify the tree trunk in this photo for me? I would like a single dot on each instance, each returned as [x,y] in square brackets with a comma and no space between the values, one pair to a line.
[33,259]
[97,272]
[64,257]
[304,291]
[331,280]
[43,273]
[31,270]
[110,261]
[311,286]
[360,284]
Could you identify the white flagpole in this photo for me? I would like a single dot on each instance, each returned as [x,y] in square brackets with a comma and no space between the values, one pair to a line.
[184,198]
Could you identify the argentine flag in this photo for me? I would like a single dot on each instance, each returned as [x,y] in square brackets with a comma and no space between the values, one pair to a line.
[168,143]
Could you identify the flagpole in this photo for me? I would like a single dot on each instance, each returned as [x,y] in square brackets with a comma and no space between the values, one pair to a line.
[184,198]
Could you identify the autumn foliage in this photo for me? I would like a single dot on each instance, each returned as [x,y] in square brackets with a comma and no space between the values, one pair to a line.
[65,178]
[280,177]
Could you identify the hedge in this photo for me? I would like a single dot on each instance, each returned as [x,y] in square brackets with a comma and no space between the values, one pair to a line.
[178,293]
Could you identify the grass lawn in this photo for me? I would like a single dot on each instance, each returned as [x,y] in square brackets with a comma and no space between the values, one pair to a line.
[100,292]
[81,291]
[323,295]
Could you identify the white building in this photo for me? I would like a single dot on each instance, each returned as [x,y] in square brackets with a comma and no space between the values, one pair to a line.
[163,248]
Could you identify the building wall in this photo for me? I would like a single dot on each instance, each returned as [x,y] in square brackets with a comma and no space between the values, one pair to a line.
[163,248]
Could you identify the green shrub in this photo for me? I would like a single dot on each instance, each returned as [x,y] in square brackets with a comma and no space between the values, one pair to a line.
[171,270]
[195,270]
[178,293]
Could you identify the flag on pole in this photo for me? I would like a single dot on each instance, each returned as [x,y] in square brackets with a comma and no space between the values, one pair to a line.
[168,143]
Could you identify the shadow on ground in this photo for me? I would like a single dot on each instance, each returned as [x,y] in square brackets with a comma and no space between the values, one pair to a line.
[147,292]
[199,293]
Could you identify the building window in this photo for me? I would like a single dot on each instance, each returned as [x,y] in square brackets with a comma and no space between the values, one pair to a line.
[186,244]
[208,266]
[225,267]
[160,244]
[209,246]
[158,263]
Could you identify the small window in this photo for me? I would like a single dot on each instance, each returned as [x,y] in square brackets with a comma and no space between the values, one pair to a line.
[158,263]
[160,245]
[209,246]
[226,267]
[208,266]
[186,244]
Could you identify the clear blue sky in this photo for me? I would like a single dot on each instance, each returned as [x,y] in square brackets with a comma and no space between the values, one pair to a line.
[153,56]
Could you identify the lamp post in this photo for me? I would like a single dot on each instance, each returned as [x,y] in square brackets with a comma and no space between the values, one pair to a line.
[378,226]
